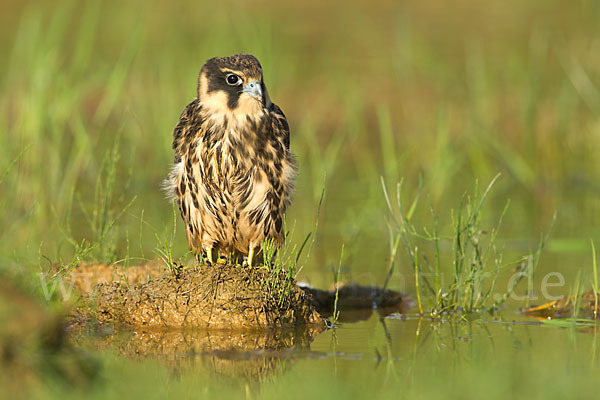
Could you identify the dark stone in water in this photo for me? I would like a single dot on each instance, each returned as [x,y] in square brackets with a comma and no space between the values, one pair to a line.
[357,302]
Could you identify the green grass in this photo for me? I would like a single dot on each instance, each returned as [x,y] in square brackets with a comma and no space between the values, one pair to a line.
[282,270]
[336,312]
[595,278]
[474,264]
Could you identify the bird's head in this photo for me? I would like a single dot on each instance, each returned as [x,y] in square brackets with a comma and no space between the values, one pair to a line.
[233,84]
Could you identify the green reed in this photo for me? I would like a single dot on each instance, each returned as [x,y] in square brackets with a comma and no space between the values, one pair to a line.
[475,262]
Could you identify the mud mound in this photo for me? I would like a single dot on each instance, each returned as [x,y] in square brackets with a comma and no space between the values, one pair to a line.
[123,284]
[220,296]
[356,302]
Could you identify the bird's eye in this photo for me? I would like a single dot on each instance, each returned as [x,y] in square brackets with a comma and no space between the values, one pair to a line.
[233,79]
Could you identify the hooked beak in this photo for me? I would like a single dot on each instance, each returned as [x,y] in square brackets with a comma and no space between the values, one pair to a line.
[254,89]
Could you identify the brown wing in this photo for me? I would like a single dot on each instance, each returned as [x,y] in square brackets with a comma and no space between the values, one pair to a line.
[187,127]
[184,133]
[281,125]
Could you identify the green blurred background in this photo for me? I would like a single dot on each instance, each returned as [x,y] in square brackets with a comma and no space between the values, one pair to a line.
[440,95]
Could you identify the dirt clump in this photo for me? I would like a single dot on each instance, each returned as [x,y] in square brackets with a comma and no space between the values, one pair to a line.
[218,296]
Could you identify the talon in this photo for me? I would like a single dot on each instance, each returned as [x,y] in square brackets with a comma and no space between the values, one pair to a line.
[250,256]
[209,256]
[222,260]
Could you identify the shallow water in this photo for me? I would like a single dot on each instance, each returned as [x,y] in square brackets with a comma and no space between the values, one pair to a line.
[396,355]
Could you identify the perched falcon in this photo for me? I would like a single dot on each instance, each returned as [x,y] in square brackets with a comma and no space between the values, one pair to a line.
[234,174]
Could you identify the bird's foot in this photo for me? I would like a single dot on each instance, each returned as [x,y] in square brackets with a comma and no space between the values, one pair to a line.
[222,260]
[207,258]
[248,261]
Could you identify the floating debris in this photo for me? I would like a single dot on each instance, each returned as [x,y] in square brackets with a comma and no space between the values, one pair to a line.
[588,302]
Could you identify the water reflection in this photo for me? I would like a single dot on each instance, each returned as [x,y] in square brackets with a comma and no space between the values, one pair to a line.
[252,356]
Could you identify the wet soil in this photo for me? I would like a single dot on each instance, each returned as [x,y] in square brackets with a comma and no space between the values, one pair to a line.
[220,297]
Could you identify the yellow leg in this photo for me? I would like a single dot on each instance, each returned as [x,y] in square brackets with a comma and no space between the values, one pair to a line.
[209,255]
[250,256]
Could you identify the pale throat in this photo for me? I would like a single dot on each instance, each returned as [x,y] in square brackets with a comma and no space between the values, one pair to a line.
[216,107]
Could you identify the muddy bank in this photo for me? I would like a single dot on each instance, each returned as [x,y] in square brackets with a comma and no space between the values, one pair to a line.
[220,296]
[223,297]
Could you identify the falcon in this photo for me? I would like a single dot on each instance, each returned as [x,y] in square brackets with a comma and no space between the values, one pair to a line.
[233,174]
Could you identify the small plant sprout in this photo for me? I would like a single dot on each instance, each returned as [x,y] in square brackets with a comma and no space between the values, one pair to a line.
[336,312]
